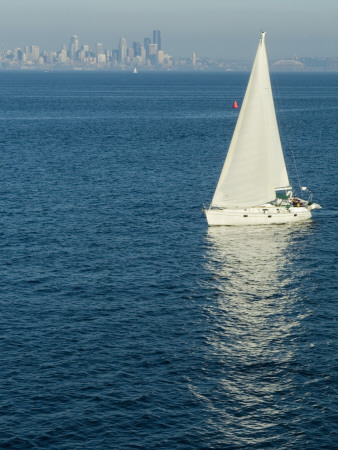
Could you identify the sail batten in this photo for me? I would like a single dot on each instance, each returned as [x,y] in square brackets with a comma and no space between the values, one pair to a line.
[254,166]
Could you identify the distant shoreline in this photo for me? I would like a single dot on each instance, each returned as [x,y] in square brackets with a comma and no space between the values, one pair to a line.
[301,64]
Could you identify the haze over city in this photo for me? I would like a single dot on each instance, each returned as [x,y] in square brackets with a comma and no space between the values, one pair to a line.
[213,28]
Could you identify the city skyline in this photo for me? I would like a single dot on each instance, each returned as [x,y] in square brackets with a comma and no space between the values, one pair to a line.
[146,54]
[217,28]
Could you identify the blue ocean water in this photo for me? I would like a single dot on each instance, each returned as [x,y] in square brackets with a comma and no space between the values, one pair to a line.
[124,321]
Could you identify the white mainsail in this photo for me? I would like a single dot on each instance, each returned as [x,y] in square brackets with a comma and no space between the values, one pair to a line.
[254,167]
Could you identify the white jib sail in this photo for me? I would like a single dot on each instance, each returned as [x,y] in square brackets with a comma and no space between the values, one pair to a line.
[254,166]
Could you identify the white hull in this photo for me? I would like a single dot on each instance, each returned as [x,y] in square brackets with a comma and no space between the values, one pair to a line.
[256,216]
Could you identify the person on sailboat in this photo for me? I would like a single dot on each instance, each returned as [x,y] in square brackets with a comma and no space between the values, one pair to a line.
[296,202]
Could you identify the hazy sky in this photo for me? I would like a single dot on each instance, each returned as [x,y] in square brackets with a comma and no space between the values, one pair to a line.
[216,28]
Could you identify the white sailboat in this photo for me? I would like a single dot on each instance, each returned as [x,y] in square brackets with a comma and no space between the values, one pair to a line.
[254,186]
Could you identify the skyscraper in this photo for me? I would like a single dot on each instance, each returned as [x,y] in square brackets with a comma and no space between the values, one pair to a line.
[99,53]
[35,52]
[147,42]
[73,46]
[98,48]
[160,57]
[157,39]
[137,48]
[152,49]
[122,50]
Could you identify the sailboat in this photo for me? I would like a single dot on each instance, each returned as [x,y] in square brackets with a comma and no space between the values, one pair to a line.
[254,186]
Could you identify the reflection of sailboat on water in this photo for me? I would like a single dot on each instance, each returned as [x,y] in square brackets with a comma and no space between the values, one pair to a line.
[255,313]
[254,186]
[258,289]
[257,284]
[256,279]
[247,266]
[244,265]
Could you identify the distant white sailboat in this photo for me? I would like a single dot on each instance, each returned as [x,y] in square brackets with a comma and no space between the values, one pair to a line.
[254,186]
[135,70]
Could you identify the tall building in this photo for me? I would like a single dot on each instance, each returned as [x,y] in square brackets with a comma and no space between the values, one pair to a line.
[99,53]
[130,53]
[160,57]
[157,39]
[147,42]
[99,49]
[62,56]
[152,49]
[20,55]
[73,46]
[122,50]
[143,55]
[193,59]
[35,52]
[137,48]
[115,56]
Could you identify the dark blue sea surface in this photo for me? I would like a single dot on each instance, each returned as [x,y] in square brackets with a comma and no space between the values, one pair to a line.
[124,321]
